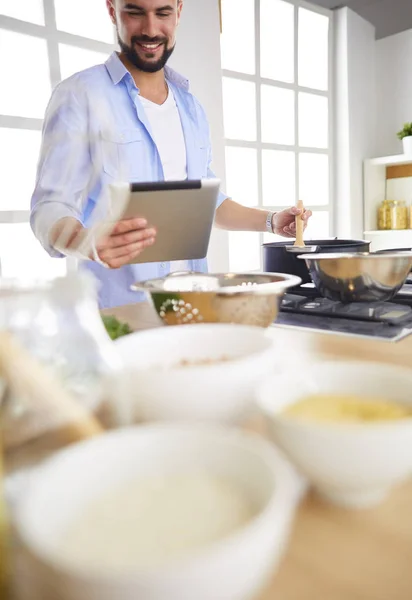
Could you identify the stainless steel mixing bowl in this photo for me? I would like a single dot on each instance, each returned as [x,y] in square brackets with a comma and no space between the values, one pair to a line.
[359,277]
[247,298]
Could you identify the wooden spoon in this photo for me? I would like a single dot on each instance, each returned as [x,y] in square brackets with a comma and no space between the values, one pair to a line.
[299,245]
[299,226]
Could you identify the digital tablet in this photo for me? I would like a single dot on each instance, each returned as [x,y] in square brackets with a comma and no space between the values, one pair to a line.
[181,211]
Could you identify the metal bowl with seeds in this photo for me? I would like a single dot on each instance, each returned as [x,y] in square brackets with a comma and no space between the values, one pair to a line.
[244,298]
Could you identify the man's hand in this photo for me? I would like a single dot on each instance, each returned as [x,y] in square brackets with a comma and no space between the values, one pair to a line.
[283,222]
[127,240]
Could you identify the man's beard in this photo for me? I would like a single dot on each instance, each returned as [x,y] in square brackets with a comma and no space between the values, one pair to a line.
[145,65]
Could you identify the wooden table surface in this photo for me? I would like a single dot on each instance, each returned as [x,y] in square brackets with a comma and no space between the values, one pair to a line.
[336,554]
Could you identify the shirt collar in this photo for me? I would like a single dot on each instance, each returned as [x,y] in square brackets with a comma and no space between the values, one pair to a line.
[118,72]
[175,77]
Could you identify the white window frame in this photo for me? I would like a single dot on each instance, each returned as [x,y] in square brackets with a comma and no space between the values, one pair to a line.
[295,87]
[53,37]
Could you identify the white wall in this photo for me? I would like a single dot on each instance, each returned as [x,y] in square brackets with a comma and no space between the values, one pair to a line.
[341,155]
[355,110]
[393,90]
[197,56]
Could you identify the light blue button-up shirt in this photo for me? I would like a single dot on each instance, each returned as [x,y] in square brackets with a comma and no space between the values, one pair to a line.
[95,132]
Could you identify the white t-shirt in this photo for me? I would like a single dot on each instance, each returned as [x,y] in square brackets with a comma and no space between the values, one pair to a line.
[168,135]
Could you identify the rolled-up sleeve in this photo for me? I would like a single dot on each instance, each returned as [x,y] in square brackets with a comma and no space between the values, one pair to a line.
[206,130]
[222,196]
[64,168]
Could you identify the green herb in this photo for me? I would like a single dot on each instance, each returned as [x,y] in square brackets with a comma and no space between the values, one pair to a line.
[114,327]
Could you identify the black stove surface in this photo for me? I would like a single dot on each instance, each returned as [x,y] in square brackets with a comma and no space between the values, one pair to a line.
[390,321]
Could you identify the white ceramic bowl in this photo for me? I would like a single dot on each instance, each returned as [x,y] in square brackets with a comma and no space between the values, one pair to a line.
[351,464]
[234,568]
[219,391]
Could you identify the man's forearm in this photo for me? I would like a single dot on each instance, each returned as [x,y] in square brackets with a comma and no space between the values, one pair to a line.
[64,232]
[236,217]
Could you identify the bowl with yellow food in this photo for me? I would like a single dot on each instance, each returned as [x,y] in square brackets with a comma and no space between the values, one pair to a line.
[347,426]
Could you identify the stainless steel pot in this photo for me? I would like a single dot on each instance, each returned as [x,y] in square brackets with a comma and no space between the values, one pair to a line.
[277,259]
[359,277]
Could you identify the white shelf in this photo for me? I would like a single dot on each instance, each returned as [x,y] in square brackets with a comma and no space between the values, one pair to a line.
[382,239]
[390,161]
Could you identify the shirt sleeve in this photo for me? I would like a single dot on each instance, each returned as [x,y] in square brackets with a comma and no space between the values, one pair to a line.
[205,126]
[222,196]
[64,168]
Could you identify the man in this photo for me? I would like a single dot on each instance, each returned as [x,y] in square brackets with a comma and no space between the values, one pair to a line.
[133,119]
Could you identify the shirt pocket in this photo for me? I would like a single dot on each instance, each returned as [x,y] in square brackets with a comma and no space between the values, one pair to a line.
[123,153]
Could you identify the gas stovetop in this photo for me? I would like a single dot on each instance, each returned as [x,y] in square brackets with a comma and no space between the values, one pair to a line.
[389,321]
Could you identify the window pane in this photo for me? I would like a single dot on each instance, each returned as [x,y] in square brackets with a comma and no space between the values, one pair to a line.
[314,179]
[238,35]
[88,18]
[313,121]
[278,175]
[25,10]
[239,109]
[318,227]
[277,47]
[19,152]
[313,49]
[271,238]
[30,91]
[278,115]
[73,59]
[21,255]
[242,161]
[244,251]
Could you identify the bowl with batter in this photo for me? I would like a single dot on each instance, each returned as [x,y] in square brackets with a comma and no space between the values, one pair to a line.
[156,512]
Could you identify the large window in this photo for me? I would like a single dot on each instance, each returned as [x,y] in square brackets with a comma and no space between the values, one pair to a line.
[277,113]
[41,42]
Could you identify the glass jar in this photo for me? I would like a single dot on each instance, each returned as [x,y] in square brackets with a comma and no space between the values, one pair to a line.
[384,215]
[59,323]
[392,214]
[399,215]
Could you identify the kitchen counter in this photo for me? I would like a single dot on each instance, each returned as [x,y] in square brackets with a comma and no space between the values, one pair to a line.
[336,554]
[333,554]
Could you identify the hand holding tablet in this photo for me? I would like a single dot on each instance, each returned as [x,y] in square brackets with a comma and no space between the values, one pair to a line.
[180,212]
[146,222]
